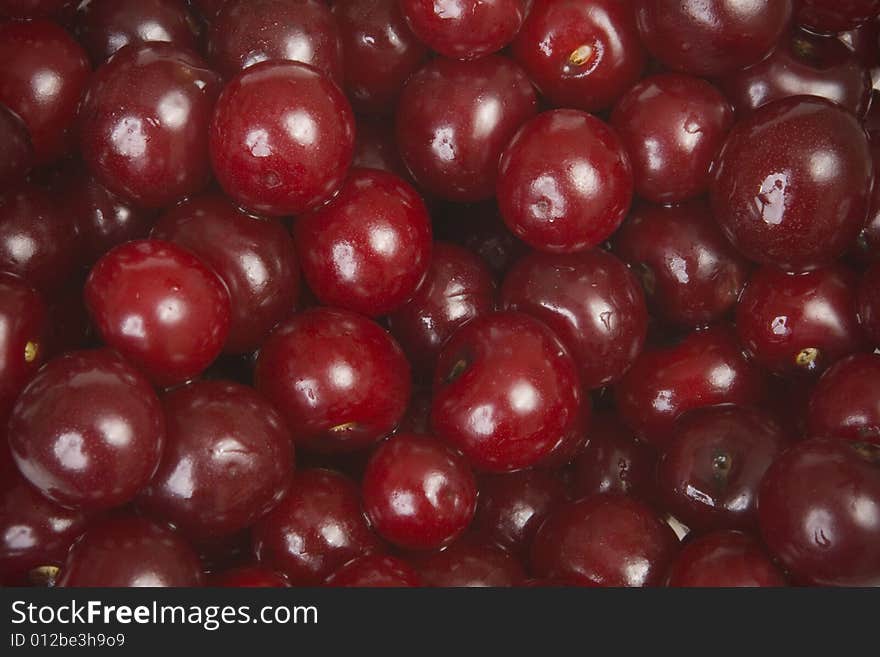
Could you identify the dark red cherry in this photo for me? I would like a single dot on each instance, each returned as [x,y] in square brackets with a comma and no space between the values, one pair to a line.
[800,323]
[317,527]
[724,559]
[869,241]
[369,248]
[44,74]
[255,257]
[580,55]
[817,507]
[709,473]
[465,29]
[604,540]
[565,182]
[846,401]
[704,369]
[127,551]
[480,229]
[863,41]
[88,430]
[340,380]
[38,239]
[144,123]
[506,392]
[593,303]
[34,532]
[513,506]
[830,16]
[160,307]
[375,571]
[711,37]
[792,184]
[458,287]
[380,50]
[454,120]
[253,576]
[227,460]
[282,138]
[869,304]
[15,143]
[672,126]
[614,461]
[803,64]
[247,32]
[105,26]
[691,274]
[25,332]
[418,493]
[33,8]
[375,147]
[471,563]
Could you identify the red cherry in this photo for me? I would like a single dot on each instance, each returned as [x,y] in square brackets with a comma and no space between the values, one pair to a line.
[33,8]
[825,16]
[470,563]
[15,143]
[869,304]
[846,401]
[251,576]
[724,559]
[375,571]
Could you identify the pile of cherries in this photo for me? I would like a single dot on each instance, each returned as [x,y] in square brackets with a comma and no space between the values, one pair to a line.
[439,293]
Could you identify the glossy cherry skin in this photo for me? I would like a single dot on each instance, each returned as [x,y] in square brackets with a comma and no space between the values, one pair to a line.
[792,184]
[339,379]
[418,493]
[614,461]
[380,52]
[15,143]
[282,138]
[704,369]
[88,430]
[246,32]
[724,559]
[506,392]
[565,182]
[254,257]
[513,506]
[227,460]
[24,332]
[471,563]
[800,323]
[33,8]
[105,26]
[38,239]
[846,401]
[375,147]
[593,303]
[691,274]
[672,126]
[826,16]
[869,304]
[317,527]
[454,120]
[128,551]
[160,307]
[604,540]
[803,64]
[580,55]
[375,571]
[815,509]
[709,473]
[369,248]
[44,74]
[711,37]
[458,287]
[253,576]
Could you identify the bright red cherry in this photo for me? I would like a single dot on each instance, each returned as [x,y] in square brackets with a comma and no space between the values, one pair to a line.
[15,143]
[800,323]
[282,138]
[375,571]
[470,563]
[604,540]
[869,304]
[339,379]
[565,182]
[830,16]
[593,303]
[506,392]
[724,559]
[128,551]
[317,527]
[369,248]
[88,430]
[711,37]
[846,401]
[255,257]
[252,576]
[454,120]
[704,369]
[817,507]
[580,55]
[792,184]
